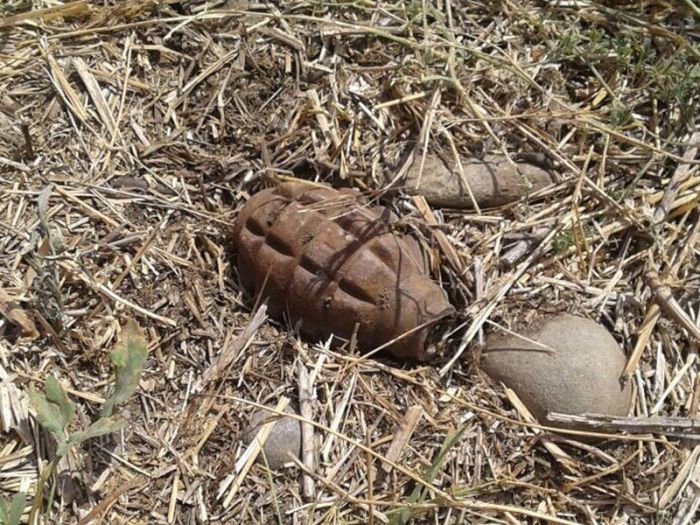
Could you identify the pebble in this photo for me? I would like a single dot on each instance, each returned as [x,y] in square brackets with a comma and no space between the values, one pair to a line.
[284,438]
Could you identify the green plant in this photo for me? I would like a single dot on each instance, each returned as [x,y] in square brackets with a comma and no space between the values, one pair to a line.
[620,116]
[569,42]
[55,412]
[11,514]
[11,8]
[563,241]
[404,515]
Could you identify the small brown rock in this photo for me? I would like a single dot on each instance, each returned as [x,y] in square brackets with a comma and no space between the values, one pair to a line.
[494,181]
[580,373]
[284,438]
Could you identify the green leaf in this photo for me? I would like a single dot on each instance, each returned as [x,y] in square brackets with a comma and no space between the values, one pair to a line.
[13,514]
[55,394]
[16,508]
[128,358]
[48,414]
[3,512]
[449,442]
[104,425]
[54,411]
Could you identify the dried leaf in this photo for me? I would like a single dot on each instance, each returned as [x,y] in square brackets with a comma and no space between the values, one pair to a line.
[129,358]
[16,315]
[43,203]
[104,425]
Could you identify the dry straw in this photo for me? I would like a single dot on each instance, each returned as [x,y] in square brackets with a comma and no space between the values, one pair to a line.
[144,125]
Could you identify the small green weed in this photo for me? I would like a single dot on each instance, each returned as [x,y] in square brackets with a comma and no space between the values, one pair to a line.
[563,241]
[11,514]
[55,412]
[404,515]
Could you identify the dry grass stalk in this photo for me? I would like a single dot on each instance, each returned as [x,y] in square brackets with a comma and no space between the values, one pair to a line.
[196,105]
[664,298]
[562,457]
[232,349]
[251,453]
[308,451]
[679,174]
[401,439]
[48,13]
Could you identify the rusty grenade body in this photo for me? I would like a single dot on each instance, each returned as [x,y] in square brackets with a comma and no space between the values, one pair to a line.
[320,256]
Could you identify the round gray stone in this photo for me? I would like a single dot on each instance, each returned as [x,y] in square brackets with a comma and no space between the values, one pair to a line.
[580,373]
[284,438]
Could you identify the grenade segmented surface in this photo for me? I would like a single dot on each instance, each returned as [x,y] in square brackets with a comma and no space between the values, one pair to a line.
[326,260]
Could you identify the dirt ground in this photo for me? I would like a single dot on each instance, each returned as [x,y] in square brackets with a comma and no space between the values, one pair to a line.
[131,132]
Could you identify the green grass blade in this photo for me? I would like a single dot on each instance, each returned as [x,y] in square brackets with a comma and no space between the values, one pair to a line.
[403,515]
[3,512]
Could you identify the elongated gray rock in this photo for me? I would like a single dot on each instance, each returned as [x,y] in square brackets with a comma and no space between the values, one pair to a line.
[493,181]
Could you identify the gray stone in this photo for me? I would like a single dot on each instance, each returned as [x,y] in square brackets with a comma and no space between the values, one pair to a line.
[581,373]
[284,438]
[494,181]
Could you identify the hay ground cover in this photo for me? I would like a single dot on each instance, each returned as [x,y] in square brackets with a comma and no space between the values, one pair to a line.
[131,132]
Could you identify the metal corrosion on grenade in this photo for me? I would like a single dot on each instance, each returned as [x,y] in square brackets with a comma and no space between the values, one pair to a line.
[320,256]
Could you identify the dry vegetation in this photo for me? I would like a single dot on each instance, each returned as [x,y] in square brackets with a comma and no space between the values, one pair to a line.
[130,133]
